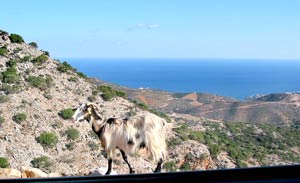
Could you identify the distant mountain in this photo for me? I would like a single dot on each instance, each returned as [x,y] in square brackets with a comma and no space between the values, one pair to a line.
[272,109]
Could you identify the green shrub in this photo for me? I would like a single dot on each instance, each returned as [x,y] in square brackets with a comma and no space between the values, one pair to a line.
[241,164]
[40,59]
[33,44]
[183,131]
[40,82]
[11,63]
[185,166]
[108,92]
[16,38]
[174,142]
[9,89]
[2,32]
[25,59]
[94,146]
[42,162]
[10,75]
[3,51]
[170,166]
[3,98]
[82,75]
[65,67]
[214,150]
[72,133]
[2,119]
[197,135]
[18,118]
[66,113]
[48,139]
[4,162]
[46,53]
[141,105]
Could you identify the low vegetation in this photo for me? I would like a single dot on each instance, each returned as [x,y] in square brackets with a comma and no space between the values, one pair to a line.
[94,146]
[19,117]
[66,113]
[48,139]
[170,166]
[4,162]
[65,67]
[3,98]
[244,141]
[42,162]
[9,89]
[33,44]
[40,59]
[107,92]
[41,82]
[143,106]
[2,119]
[10,75]
[3,51]
[82,75]
[16,38]
[72,134]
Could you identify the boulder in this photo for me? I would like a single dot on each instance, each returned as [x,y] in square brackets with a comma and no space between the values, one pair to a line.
[29,172]
[9,173]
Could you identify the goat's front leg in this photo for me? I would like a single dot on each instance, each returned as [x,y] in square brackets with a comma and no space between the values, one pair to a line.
[131,169]
[109,166]
[109,158]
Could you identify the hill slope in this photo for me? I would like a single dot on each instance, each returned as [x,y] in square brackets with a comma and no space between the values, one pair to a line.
[270,109]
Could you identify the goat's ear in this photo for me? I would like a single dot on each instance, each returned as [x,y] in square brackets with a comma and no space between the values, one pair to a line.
[92,105]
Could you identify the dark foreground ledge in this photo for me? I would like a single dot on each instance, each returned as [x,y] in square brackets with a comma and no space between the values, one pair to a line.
[275,174]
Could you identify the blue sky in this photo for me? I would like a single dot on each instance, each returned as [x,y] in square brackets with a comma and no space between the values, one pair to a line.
[264,29]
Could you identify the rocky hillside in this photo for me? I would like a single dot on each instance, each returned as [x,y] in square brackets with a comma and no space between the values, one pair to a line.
[37,92]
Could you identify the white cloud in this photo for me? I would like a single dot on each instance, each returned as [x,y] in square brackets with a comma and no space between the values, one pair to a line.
[144,26]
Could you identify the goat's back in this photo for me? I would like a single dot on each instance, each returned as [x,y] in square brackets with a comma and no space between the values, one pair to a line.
[151,133]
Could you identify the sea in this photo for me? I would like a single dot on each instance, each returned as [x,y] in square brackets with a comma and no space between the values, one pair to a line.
[236,78]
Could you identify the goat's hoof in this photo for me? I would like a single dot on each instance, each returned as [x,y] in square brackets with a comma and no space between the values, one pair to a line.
[132,172]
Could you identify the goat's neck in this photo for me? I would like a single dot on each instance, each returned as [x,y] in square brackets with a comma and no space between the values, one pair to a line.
[96,123]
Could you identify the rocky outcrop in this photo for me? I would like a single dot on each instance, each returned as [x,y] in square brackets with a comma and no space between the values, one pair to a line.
[10,173]
[224,161]
[26,172]
[192,154]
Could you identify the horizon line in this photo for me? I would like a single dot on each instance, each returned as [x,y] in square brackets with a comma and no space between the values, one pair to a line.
[179,58]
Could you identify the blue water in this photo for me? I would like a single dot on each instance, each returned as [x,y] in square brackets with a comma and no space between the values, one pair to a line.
[233,78]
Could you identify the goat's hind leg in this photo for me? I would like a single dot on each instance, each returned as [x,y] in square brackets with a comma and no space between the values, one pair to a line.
[158,167]
[131,169]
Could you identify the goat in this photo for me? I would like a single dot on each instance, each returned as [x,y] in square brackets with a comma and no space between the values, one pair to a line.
[128,135]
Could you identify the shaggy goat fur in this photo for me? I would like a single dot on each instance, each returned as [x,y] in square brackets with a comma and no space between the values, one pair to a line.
[128,135]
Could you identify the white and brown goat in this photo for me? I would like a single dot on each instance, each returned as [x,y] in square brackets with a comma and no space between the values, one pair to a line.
[128,135]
